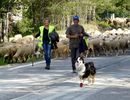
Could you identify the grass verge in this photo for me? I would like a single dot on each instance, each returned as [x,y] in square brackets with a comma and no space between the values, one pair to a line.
[2,62]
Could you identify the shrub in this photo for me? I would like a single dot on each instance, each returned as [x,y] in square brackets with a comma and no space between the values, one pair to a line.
[2,61]
[25,26]
[103,24]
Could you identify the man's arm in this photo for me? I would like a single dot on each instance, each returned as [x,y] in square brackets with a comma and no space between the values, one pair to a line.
[82,32]
[72,36]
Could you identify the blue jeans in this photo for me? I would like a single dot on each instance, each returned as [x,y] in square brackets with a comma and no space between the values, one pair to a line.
[47,53]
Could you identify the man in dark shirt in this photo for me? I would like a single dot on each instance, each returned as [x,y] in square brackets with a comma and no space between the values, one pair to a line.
[45,40]
[74,33]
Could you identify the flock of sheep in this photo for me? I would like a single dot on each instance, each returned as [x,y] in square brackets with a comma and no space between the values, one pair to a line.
[18,48]
[119,22]
[111,42]
[21,49]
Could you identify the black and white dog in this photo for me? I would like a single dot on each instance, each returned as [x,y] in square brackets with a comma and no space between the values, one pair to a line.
[85,70]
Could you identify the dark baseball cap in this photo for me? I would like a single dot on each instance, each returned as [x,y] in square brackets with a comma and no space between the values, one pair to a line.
[76,17]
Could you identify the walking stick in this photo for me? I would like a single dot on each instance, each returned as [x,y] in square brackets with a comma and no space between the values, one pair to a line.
[33,49]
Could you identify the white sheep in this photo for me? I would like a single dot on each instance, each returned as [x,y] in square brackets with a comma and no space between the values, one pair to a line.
[27,39]
[24,52]
[16,38]
[5,49]
[11,52]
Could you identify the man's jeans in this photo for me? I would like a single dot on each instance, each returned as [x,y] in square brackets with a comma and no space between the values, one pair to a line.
[47,53]
[74,56]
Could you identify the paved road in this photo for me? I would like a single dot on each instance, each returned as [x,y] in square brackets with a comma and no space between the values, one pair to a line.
[26,82]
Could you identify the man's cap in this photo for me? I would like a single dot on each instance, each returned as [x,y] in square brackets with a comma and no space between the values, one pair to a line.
[76,17]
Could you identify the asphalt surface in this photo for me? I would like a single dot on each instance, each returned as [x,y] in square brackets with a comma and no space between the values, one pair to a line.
[26,82]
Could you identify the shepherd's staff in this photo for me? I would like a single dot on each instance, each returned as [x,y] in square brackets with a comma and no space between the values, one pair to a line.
[33,49]
[33,17]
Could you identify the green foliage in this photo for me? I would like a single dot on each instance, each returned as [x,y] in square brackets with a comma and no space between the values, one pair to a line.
[25,26]
[106,7]
[103,24]
[2,62]
[34,11]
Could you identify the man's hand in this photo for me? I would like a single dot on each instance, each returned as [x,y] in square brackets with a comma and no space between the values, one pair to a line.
[72,36]
[81,35]
[76,36]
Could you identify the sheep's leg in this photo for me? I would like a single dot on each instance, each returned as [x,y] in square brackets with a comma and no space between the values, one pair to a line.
[89,80]
[66,53]
[93,79]
[13,60]
[10,59]
[22,59]
[117,52]
[56,53]
[5,59]
[16,60]
[26,58]
[81,80]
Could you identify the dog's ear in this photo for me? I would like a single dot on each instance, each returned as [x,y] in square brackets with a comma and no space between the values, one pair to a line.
[82,55]
[82,59]
[77,58]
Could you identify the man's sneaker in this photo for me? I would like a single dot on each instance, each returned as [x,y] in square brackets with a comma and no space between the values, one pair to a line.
[74,71]
[47,67]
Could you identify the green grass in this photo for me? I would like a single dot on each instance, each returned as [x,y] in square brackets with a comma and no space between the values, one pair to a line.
[28,61]
[103,24]
[2,62]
